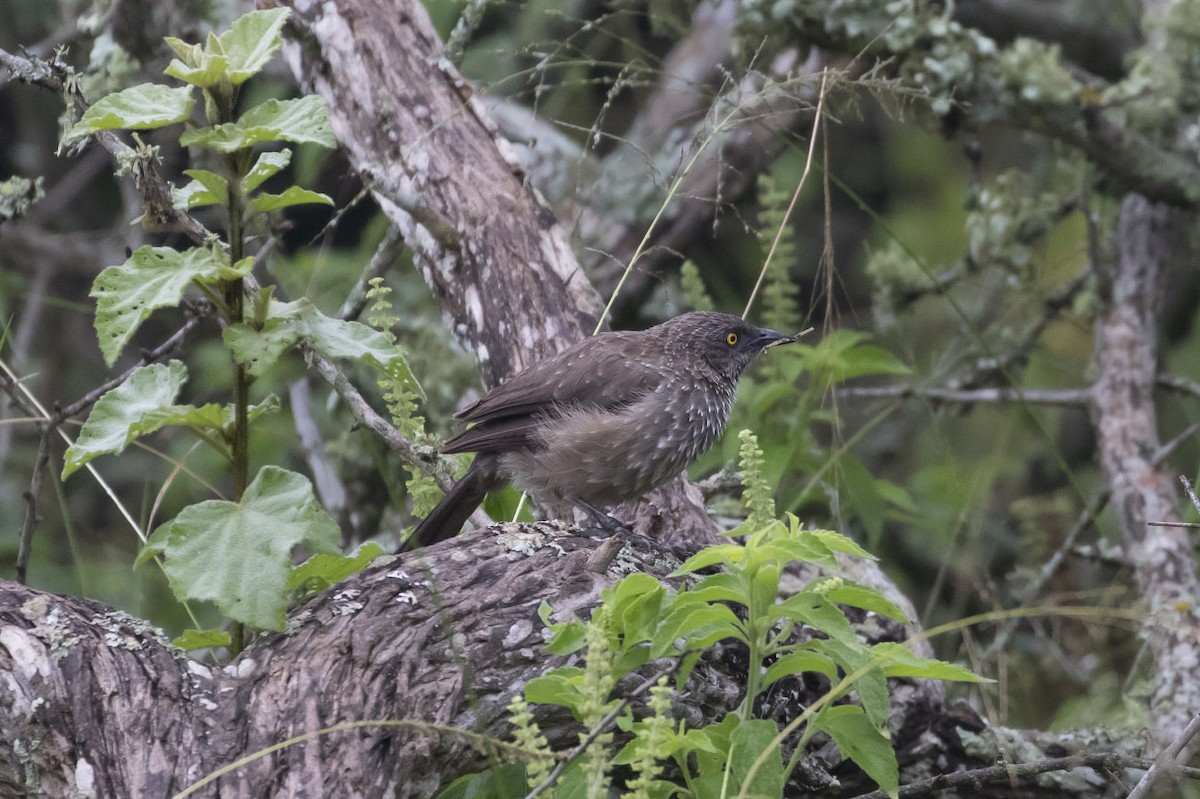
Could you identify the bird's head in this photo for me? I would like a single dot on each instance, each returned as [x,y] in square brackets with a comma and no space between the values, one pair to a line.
[725,341]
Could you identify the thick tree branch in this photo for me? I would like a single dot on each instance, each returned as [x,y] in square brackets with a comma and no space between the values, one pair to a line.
[493,255]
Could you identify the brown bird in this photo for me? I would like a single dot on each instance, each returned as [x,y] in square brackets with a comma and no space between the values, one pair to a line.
[604,421]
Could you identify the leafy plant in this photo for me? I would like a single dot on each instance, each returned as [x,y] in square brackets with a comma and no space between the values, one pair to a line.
[236,553]
[731,593]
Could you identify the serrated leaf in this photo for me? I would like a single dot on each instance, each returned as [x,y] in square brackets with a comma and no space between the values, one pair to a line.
[815,611]
[723,554]
[752,741]
[859,596]
[897,660]
[141,107]
[799,663]
[839,543]
[205,188]
[567,637]
[251,41]
[324,569]
[294,195]
[134,408]
[301,121]
[205,71]
[238,555]
[267,165]
[634,604]
[152,277]
[699,626]
[192,640]
[288,322]
[861,742]
[559,687]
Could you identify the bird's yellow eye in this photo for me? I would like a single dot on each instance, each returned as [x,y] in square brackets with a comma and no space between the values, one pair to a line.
[731,338]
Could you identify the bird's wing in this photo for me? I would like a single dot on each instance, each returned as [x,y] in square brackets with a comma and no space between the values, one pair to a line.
[607,371]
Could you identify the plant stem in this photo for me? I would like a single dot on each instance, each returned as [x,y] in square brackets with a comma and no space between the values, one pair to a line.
[235,296]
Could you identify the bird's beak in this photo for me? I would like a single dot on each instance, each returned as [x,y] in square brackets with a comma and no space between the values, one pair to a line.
[773,338]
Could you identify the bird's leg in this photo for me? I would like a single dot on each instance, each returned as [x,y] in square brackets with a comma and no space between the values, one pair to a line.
[612,526]
[607,523]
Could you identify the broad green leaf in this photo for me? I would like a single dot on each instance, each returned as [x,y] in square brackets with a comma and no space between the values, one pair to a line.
[141,107]
[559,687]
[699,626]
[861,742]
[802,548]
[497,782]
[897,660]
[324,569]
[870,360]
[251,41]
[869,682]
[567,637]
[192,640]
[815,611]
[238,555]
[859,596]
[838,543]
[724,554]
[127,412]
[721,587]
[206,188]
[634,603]
[152,277]
[799,663]
[303,120]
[267,165]
[294,195]
[754,740]
[334,338]
[197,67]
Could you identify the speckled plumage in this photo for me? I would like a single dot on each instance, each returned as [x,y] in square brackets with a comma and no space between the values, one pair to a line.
[606,420]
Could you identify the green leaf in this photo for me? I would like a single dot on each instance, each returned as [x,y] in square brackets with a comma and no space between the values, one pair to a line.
[567,637]
[752,739]
[294,195]
[720,587]
[206,188]
[287,323]
[634,604]
[192,640]
[559,687]
[126,412]
[498,782]
[196,66]
[238,555]
[814,610]
[861,742]
[869,681]
[699,625]
[870,360]
[859,596]
[141,107]
[799,663]
[267,165]
[301,121]
[324,569]
[897,660]
[152,277]
[838,542]
[723,554]
[251,41]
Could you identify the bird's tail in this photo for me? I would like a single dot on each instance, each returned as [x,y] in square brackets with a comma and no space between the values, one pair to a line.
[456,507]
